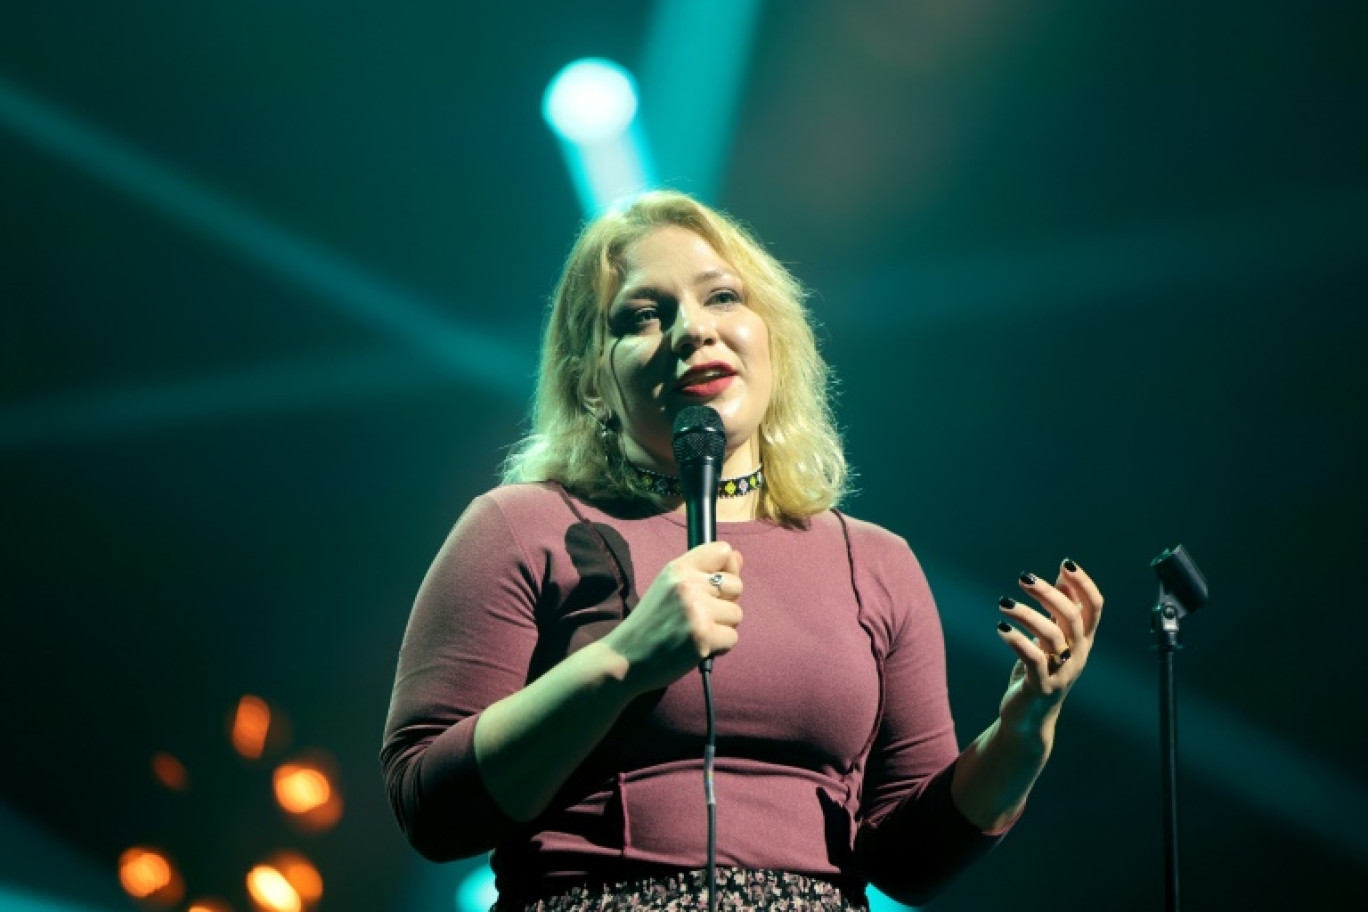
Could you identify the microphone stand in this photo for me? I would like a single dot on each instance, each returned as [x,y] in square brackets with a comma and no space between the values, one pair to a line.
[1182,590]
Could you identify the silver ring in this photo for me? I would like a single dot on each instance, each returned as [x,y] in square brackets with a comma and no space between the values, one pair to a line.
[716,580]
[1057,660]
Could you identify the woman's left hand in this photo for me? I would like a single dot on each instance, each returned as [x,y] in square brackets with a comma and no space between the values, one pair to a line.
[1051,646]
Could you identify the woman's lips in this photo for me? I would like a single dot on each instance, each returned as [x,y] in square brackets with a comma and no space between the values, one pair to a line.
[706,389]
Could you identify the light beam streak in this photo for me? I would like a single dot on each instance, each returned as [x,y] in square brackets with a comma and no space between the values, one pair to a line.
[362,296]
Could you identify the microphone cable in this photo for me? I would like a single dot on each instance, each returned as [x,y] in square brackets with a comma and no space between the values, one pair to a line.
[709,754]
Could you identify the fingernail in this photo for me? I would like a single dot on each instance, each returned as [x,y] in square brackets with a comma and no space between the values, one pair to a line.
[1027,579]
[1004,627]
[1070,566]
[1005,602]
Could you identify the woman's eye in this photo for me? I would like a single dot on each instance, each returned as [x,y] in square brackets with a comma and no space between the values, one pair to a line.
[725,296]
[638,317]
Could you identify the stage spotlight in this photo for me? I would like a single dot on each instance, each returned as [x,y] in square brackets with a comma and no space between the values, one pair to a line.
[591,105]
[590,101]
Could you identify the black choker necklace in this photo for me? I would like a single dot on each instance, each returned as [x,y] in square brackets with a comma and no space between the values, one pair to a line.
[668,485]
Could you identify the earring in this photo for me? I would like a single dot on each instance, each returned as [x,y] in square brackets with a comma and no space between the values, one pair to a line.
[606,425]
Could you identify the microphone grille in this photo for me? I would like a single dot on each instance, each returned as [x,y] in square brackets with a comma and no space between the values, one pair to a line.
[699,434]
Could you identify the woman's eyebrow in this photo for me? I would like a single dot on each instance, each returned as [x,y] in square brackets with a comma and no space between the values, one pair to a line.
[709,274]
[637,291]
[651,291]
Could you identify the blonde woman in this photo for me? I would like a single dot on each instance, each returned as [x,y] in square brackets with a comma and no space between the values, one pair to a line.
[543,707]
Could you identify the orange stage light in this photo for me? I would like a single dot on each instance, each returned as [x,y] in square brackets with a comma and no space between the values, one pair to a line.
[148,875]
[301,874]
[305,789]
[170,772]
[209,905]
[250,725]
[300,788]
[323,817]
[271,891]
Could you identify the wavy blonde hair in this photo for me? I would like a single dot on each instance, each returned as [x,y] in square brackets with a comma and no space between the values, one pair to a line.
[805,467]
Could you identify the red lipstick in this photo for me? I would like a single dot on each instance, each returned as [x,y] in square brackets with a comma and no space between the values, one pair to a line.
[706,380]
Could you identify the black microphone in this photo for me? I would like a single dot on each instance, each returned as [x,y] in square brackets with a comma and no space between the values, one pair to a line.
[700,443]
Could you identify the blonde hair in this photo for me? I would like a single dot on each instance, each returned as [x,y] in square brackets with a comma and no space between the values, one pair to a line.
[804,463]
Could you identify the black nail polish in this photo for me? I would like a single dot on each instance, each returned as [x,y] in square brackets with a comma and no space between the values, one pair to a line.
[1004,627]
[1027,579]
[1070,566]
[1005,602]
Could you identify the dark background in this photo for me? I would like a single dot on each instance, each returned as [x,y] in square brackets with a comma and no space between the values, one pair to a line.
[1090,275]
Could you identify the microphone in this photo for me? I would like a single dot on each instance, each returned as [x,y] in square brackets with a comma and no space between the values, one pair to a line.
[700,443]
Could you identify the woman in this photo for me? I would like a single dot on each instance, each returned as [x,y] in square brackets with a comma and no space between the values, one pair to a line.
[544,706]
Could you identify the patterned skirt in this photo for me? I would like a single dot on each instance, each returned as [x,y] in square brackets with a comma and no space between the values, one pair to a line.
[738,889]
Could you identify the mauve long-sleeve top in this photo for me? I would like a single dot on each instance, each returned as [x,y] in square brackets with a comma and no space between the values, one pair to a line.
[835,745]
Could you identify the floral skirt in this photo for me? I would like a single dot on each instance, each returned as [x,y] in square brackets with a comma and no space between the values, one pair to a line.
[737,889]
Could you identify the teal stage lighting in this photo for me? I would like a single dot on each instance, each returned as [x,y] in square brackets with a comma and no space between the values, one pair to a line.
[476,892]
[591,105]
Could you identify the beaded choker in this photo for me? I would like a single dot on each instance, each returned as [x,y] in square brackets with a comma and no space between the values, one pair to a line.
[668,485]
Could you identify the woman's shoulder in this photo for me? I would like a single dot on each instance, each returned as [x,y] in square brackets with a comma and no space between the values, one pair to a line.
[524,503]
[523,494]
[522,517]
[865,536]
[886,566]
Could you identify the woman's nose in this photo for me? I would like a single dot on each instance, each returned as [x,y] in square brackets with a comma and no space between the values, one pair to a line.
[694,327]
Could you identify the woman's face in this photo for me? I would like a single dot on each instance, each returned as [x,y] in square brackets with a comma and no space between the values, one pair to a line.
[680,333]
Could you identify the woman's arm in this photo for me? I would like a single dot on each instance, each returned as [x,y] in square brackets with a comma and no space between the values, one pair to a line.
[926,812]
[469,642]
[528,744]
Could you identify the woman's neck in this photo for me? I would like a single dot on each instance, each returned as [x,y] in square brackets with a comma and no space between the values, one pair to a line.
[738,509]
[739,463]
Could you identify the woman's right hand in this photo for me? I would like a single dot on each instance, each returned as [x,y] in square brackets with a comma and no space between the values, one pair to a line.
[682,619]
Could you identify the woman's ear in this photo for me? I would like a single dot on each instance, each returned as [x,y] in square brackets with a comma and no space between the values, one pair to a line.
[601,412]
